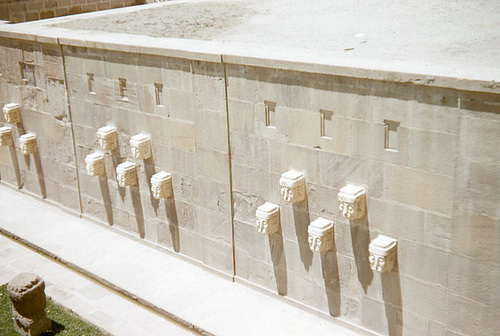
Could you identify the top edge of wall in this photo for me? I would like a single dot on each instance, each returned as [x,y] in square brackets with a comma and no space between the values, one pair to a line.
[472,79]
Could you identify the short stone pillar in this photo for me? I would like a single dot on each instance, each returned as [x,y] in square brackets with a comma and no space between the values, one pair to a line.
[26,291]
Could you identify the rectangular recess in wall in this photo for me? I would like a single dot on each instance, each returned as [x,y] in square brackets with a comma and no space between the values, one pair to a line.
[270,110]
[159,94]
[123,88]
[28,73]
[391,135]
[90,82]
[326,124]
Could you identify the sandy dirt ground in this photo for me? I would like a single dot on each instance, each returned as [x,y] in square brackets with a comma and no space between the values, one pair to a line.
[431,32]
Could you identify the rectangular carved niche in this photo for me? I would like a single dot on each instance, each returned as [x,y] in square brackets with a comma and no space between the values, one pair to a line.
[326,124]
[391,135]
[28,73]
[270,110]
[90,82]
[159,94]
[123,88]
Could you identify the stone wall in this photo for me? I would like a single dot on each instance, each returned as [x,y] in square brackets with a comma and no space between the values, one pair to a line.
[29,10]
[427,155]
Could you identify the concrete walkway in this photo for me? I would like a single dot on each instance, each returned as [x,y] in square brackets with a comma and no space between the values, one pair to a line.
[129,288]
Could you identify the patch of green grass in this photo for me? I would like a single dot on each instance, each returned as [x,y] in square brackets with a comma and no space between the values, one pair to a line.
[64,321]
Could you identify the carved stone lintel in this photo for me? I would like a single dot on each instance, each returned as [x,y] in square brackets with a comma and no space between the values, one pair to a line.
[107,138]
[126,174]
[268,218]
[293,186]
[12,113]
[140,145]
[352,201]
[320,235]
[161,185]
[28,143]
[27,293]
[6,136]
[383,252]
[94,164]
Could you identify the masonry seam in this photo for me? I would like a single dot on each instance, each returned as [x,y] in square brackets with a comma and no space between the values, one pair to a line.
[72,131]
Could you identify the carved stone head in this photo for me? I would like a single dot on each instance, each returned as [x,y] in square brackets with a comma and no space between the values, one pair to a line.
[161,185]
[268,218]
[12,113]
[6,136]
[107,138]
[126,174]
[383,251]
[293,186]
[94,163]
[140,145]
[28,143]
[320,235]
[352,201]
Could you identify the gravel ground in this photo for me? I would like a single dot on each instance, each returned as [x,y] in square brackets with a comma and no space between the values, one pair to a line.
[430,32]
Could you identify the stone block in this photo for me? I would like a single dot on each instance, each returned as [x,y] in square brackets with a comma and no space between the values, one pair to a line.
[285,157]
[217,256]
[414,187]
[206,122]
[424,299]
[479,138]
[423,262]
[438,231]
[212,164]
[432,151]
[241,116]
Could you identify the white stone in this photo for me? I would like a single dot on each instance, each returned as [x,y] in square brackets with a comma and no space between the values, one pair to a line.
[107,138]
[94,164]
[6,136]
[268,218]
[352,201]
[12,113]
[28,143]
[141,146]
[383,252]
[161,185]
[293,186]
[320,235]
[126,174]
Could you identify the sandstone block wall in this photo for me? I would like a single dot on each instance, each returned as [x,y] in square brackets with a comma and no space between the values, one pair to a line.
[427,156]
[29,10]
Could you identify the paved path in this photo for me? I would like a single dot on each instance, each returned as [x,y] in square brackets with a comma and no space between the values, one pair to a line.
[188,294]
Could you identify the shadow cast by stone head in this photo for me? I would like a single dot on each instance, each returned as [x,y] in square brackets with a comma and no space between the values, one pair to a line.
[173,222]
[278,258]
[331,277]
[360,237]
[301,220]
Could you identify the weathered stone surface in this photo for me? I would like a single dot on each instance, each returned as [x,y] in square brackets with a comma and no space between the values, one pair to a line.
[26,291]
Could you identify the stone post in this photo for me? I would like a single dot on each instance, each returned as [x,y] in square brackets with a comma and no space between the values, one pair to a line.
[26,291]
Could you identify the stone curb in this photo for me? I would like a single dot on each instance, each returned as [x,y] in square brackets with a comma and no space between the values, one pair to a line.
[118,290]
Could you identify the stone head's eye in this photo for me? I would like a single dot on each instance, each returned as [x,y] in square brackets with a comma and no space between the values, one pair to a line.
[311,239]
[283,190]
[350,209]
[257,222]
[264,224]
[341,206]
[290,193]
[381,261]
[372,258]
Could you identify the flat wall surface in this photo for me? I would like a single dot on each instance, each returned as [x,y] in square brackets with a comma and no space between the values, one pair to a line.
[226,128]
[29,10]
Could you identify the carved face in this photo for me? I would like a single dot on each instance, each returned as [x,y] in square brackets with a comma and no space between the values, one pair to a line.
[136,153]
[347,209]
[287,193]
[156,191]
[378,263]
[121,178]
[262,225]
[27,148]
[91,169]
[104,143]
[315,243]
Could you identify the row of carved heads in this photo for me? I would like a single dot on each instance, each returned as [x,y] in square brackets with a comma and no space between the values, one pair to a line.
[126,172]
[27,142]
[352,205]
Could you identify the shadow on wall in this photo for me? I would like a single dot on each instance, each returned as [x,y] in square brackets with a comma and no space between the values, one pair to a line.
[106,197]
[331,276]
[279,262]
[173,222]
[391,293]
[360,237]
[301,220]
